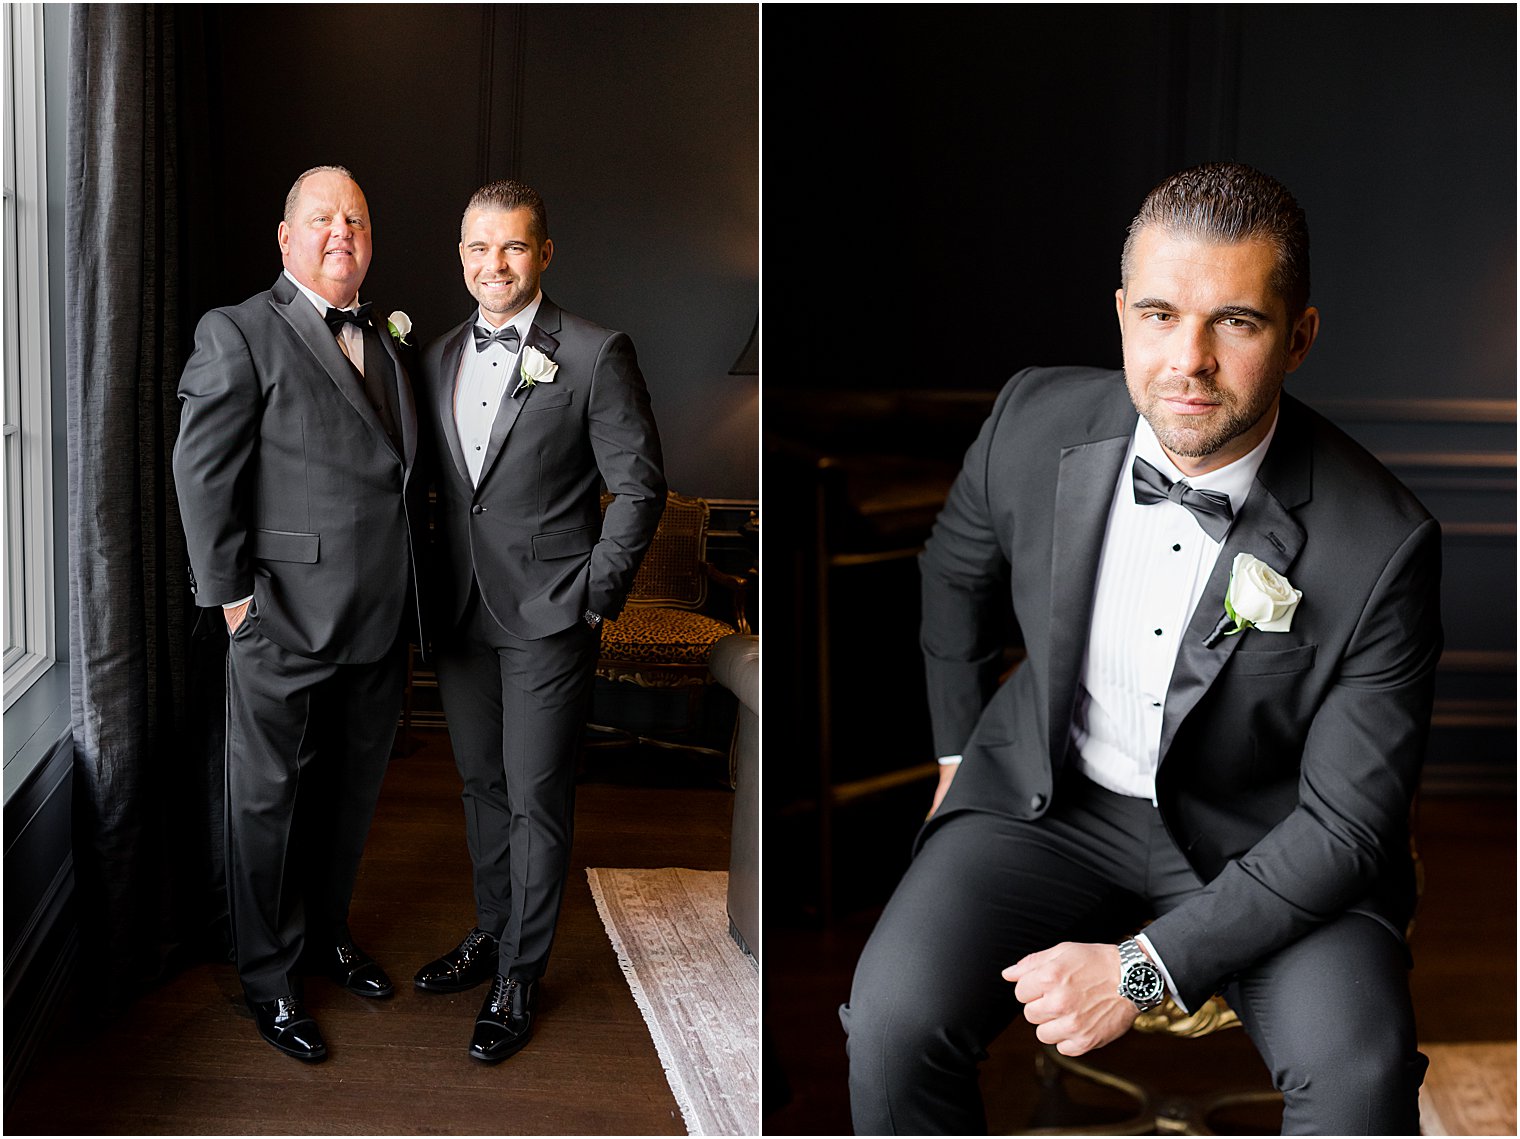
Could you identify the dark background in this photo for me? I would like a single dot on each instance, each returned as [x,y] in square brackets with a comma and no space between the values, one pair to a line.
[639,124]
[958,183]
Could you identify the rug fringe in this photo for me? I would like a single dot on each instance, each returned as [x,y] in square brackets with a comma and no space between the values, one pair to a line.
[663,1047]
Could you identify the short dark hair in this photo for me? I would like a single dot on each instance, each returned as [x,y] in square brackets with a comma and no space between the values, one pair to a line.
[1231,202]
[295,187]
[509,195]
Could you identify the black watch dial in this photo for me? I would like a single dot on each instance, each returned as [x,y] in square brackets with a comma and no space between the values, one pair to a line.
[1143,984]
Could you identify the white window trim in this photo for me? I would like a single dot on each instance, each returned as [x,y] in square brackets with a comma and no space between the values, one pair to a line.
[29,506]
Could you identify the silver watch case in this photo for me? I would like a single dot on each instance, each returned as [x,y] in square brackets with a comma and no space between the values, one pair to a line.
[1139,981]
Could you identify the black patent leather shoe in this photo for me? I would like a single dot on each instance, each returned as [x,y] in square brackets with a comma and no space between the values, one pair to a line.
[356,970]
[505,1021]
[289,1027]
[471,962]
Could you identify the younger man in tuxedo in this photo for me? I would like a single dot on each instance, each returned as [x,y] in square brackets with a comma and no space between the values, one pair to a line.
[293,468]
[1230,612]
[530,411]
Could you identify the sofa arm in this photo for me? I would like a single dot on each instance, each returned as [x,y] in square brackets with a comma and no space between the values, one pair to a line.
[735,663]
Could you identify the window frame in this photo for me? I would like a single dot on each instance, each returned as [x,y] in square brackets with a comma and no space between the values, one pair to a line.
[30,605]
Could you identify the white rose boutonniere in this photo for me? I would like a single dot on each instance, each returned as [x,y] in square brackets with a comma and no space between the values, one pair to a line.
[399,325]
[536,368]
[1259,597]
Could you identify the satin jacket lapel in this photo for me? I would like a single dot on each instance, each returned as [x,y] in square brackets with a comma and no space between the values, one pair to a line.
[448,384]
[546,322]
[1084,492]
[1265,528]
[301,315]
[405,406]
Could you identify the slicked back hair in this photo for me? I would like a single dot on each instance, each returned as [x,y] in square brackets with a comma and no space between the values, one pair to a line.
[295,188]
[509,195]
[1228,202]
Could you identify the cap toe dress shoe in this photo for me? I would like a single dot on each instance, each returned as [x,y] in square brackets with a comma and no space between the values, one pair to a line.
[289,1027]
[505,1021]
[356,971]
[470,963]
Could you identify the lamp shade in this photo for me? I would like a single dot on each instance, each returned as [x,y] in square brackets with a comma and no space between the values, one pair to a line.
[748,363]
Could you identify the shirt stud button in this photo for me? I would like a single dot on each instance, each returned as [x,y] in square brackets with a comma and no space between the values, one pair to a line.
[1175,547]
[1158,631]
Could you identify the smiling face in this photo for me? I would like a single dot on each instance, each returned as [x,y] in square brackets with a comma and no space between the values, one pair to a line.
[1207,344]
[503,259]
[325,243]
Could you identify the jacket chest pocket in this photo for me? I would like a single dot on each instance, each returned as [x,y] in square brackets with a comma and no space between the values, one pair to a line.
[547,401]
[1276,662]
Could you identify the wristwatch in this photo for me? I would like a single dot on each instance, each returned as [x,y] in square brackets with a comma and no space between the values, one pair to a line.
[1139,980]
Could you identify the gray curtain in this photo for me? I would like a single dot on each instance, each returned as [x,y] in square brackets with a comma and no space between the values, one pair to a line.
[147,784]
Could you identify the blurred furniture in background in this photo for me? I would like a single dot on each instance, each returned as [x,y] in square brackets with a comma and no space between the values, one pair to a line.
[862,476]
[735,664]
[663,637]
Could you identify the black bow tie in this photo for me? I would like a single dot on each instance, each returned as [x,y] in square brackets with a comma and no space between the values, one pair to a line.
[507,337]
[1210,507]
[337,317]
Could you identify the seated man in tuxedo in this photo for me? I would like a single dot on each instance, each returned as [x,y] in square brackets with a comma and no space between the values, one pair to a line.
[1230,611]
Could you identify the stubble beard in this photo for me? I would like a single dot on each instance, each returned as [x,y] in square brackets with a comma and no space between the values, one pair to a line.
[1191,440]
[509,303]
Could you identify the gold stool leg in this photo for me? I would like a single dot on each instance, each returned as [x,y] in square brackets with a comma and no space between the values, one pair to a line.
[1154,1114]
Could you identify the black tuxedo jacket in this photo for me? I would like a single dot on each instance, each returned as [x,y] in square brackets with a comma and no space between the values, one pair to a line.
[289,487]
[1288,760]
[532,534]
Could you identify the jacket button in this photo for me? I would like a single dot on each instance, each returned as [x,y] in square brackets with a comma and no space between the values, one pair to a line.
[477,509]
[1037,802]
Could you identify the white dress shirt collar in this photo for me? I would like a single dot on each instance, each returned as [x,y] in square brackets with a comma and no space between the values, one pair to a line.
[522,319]
[322,303]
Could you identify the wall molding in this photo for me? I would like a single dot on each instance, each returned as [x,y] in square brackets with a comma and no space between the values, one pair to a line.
[503,50]
[1419,410]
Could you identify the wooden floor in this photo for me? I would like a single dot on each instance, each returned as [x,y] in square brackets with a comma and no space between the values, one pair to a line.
[188,1060]
[1463,984]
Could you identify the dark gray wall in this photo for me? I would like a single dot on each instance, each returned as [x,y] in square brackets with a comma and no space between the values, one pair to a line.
[959,179]
[972,171]
[639,124]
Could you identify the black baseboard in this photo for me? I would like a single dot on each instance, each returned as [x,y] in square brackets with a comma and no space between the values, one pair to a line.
[42,931]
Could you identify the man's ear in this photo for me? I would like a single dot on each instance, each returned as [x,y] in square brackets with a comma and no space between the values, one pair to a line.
[1301,337]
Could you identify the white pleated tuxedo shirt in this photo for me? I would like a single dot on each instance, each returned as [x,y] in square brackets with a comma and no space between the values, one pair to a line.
[484,379]
[1156,561]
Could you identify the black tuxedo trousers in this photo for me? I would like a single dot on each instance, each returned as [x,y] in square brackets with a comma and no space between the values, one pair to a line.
[516,710]
[308,743]
[1330,1014]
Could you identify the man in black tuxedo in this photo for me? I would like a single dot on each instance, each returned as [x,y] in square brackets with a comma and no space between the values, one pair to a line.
[293,467]
[1230,612]
[529,411]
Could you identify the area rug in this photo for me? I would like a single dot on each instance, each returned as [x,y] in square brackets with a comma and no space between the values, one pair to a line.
[698,991]
[1469,1089]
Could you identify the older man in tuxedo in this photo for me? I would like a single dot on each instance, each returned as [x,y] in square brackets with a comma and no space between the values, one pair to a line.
[297,441]
[1230,612]
[530,411]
